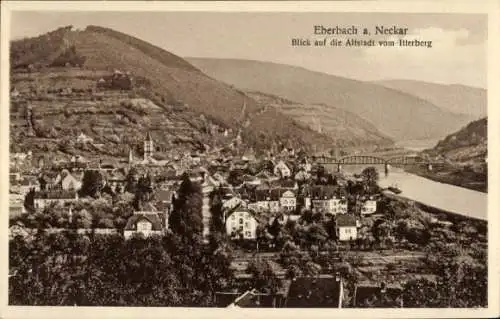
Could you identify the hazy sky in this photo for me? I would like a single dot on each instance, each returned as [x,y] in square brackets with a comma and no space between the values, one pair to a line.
[458,54]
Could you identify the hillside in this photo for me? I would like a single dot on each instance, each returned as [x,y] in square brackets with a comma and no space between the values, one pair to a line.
[468,145]
[459,99]
[398,115]
[465,153]
[183,97]
[344,128]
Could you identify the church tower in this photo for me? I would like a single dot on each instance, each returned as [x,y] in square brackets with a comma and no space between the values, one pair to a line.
[148,147]
[130,156]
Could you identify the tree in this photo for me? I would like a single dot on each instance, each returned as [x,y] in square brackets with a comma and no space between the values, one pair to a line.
[264,278]
[186,219]
[143,191]
[92,184]
[29,200]
[321,175]
[131,181]
[317,235]
[370,175]
[83,219]
[216,212]
[235,177]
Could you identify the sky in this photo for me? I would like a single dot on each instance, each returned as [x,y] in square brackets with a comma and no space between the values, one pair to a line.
[457,56]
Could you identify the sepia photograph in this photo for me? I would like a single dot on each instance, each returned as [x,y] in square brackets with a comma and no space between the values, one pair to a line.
[247,159]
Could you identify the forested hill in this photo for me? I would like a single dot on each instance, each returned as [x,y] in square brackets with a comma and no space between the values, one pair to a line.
[470,144]
[165,78]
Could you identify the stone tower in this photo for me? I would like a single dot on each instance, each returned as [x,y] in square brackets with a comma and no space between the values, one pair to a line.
[148,147]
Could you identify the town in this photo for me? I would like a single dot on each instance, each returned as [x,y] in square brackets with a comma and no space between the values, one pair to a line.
[138,180]
[295,230]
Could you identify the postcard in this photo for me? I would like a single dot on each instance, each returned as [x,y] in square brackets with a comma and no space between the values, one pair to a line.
[195,159]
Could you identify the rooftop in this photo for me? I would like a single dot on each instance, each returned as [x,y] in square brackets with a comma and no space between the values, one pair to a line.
[345,220]
[315,292]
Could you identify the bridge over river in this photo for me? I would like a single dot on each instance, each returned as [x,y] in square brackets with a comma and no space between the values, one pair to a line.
[398,161]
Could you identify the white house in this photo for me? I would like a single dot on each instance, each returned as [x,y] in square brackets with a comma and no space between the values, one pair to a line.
[369,207]
[331,205]
[288,201]
[282,170]
[346,227]
[147,222]
[68,181]
[45,198]
[241,223]
[16,204]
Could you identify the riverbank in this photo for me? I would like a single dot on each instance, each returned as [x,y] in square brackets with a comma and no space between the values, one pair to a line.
[441,214]
[456,176]
[443,196]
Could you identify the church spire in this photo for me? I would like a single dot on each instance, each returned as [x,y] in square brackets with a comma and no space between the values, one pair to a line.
[148,147]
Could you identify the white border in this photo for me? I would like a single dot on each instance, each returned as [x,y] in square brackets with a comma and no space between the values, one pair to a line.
[487,6]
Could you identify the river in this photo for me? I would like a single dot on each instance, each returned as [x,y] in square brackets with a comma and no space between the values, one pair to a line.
[417,145]
[447,197]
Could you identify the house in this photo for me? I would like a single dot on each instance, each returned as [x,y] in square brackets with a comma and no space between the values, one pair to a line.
[274,200]
[43,199]
[323,291]
[82,138]
[241,223]
[381,296]
[165,199]
[68,181]
[286,183]
[16,205]
[346,227]
[121,81]
[288,201]
[330,205]
[251,180]
[282,170]
[231,203]
[262,197]
[326,199]
[147,222]
[369,207]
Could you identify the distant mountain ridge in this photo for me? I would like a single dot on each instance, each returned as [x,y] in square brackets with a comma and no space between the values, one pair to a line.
[397,114]
[456,98]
